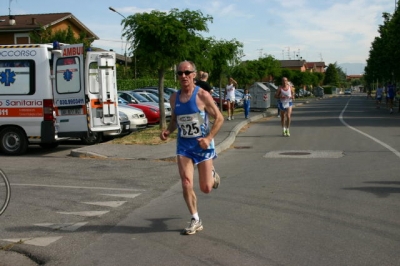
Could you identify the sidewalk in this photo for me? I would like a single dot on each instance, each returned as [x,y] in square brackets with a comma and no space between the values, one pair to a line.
[223,140]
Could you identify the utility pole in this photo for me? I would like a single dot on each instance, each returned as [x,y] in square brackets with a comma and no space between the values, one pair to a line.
[126,43]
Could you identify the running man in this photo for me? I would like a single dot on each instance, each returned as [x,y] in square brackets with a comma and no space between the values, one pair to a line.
[191,107]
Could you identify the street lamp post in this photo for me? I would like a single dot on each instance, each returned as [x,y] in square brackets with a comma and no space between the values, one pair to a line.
[126,43]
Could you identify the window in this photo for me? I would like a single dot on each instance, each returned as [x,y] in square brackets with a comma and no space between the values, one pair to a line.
[21,38]
[17,77]
[93,78]
[68,75]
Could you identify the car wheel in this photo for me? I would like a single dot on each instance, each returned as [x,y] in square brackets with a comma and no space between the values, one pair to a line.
[92,138]
[13,141]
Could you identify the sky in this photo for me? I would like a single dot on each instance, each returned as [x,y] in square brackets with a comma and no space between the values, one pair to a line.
[332,31]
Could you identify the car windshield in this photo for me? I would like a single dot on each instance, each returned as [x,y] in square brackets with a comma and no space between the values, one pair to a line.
[154,97]
[169,91]
[147,96]
[139,97]
[166,96]
[122,101]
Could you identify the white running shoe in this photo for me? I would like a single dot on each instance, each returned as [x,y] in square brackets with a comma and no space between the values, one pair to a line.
[193,227]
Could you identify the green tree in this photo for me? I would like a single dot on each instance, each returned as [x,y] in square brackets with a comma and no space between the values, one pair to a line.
[318,78]
[379,64]
[224,56]
[384,55]
[242,74]
[331,76]
[165,39]
[342,77]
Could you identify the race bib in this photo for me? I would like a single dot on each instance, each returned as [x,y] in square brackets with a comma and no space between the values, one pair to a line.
[190,125]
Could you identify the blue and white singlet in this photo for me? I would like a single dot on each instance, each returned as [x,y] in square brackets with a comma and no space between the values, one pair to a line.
[192,124]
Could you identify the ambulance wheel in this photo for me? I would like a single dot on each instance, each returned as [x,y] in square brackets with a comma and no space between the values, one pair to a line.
[49,146]
[13,141]
[92,138]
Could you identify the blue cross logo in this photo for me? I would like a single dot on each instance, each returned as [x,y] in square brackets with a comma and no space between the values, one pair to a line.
[7,77]
[68,75]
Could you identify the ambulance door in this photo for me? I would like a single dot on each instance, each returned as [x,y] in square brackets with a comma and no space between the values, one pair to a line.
[69,91]
[101,84]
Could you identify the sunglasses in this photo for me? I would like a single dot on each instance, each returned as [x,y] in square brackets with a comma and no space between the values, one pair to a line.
[187,72]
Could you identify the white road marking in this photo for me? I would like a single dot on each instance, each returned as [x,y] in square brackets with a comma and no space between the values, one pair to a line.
[112,204]
[78,187]
[36,241]
[86,213]
[130,196]
[64,227]
[365,134]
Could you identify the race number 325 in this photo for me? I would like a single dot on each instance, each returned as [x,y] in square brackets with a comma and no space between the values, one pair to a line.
[190,130]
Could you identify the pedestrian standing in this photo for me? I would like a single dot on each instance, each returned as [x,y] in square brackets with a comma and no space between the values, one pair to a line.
[191,108]
[285,94]
[230,97]
[246,103]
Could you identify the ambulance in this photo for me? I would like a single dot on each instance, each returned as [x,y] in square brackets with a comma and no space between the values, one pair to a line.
[50,92]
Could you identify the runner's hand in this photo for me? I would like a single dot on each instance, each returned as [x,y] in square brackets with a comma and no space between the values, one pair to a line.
[204,143]
[164,134]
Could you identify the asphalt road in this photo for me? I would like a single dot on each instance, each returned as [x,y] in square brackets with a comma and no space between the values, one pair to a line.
[327,195]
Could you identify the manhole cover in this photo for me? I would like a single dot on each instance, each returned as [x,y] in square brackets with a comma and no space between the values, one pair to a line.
[242,147]
[304,154]
[295,153]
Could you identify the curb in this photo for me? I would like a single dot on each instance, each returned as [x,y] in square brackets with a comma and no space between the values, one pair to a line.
[228,141]
[87,154]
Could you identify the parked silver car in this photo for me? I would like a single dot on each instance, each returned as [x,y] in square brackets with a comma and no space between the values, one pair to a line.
[137,118]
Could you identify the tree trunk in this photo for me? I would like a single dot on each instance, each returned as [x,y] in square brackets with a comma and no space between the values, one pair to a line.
[163,122]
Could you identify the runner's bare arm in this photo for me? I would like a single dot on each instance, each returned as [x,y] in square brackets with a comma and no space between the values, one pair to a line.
[213,111]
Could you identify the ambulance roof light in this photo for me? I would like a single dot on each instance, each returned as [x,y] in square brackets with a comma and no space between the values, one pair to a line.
[56,45]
